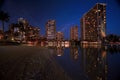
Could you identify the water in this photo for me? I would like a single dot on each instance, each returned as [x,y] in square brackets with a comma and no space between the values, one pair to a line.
[90,63]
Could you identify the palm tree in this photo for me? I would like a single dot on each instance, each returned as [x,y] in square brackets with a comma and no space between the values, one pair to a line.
[4,17]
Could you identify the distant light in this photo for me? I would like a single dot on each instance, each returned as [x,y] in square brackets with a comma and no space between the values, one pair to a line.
[67,44]
[98,10]
[12,39]
[59,55]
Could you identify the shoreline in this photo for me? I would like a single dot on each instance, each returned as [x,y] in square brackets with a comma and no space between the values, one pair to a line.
[22,62]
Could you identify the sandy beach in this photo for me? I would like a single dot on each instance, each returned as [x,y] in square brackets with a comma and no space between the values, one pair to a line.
[29,63]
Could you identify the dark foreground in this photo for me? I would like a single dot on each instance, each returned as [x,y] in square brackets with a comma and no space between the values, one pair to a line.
[29,63]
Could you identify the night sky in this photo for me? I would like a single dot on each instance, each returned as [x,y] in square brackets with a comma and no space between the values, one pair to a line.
[66,13]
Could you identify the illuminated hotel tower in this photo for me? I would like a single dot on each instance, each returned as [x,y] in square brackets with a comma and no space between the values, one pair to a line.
[74,33]
[51,30]
[93,24]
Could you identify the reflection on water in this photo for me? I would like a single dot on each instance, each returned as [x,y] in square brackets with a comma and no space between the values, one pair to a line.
[60,51]
[74,52]
[94,63]
[113,49]
[88,63]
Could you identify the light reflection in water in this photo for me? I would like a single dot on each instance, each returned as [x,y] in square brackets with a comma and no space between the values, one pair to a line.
[94,63]
[60,51]
[74,52]
[87,63]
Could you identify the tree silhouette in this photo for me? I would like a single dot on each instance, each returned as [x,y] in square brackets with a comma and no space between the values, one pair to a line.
[4,17]
[1,3]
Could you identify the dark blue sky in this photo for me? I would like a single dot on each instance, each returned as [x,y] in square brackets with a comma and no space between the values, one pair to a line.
[65,12]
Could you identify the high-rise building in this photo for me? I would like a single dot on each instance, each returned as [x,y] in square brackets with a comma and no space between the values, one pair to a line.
[74,33]
[59,36]
[93,24]
[51,30]
[32,33]
[23,32]
[23,23]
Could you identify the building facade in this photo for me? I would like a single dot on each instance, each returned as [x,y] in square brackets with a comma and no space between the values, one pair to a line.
[74,33]
[93,24]
[23,31]
[1,34]
[59,36]
[51,30]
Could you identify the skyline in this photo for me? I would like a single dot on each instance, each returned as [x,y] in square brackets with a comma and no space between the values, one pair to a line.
[66,13]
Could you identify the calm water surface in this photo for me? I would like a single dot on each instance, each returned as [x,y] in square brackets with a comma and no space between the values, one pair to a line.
[90,63]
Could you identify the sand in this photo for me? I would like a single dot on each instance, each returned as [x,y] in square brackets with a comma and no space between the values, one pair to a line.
[29,63]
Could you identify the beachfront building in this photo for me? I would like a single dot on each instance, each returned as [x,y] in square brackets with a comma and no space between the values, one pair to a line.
[14,32]
[32,34]
[51,32]
[23,32]
[59,38]
[93,24]
[23,23]
[74,33]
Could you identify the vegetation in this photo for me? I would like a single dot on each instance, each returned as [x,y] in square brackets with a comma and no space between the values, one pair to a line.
[4,17]
[113,38]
